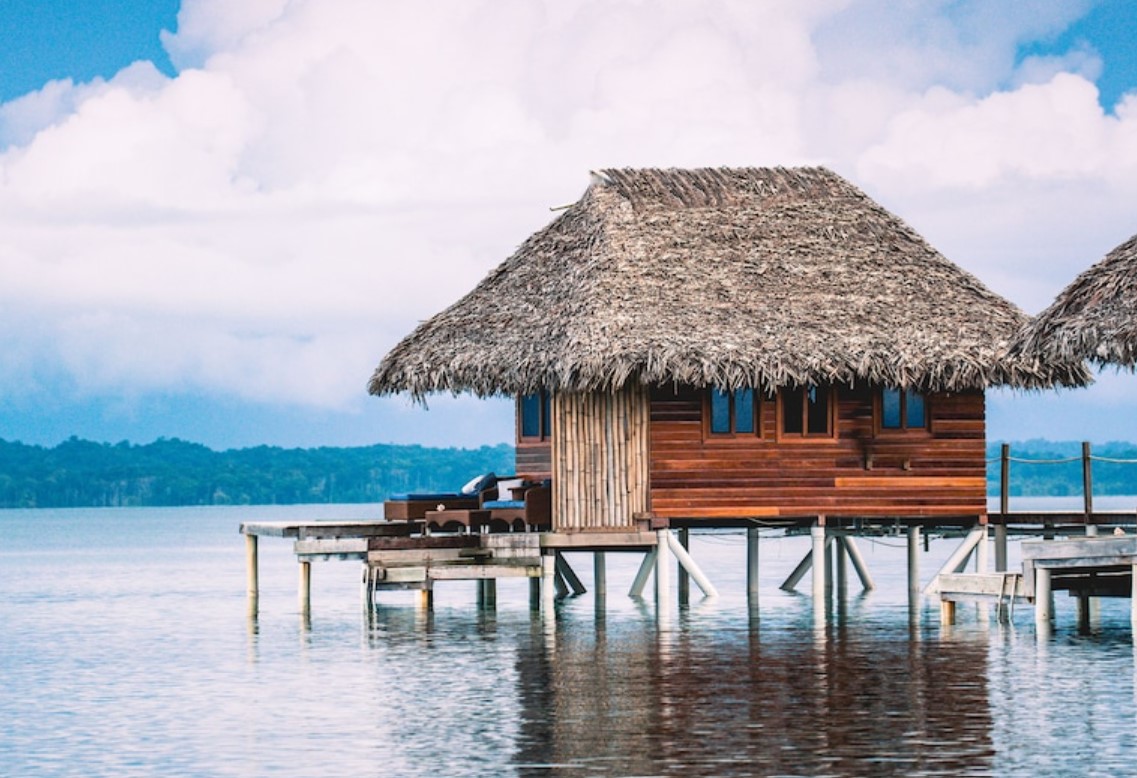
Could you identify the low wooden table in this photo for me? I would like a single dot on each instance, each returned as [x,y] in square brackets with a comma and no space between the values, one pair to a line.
[472,520]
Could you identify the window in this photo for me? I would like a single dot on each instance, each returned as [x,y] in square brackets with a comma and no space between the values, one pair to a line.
[902,409]
[534,416]
[807,411]
[733,413]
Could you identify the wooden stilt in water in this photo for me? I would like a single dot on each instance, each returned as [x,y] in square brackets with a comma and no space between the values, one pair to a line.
[947,612]
[548,582]
[752,537]
[687,564]
[487,594]
[564,569]
[252,585]
[646,568]
[305,592]
[534,594]
[426,598]
[859,566]
[841,557]
[662,571]
[1043,598]
[599,575]
[683,579]
[1000,548]
[818,539]
[913,571]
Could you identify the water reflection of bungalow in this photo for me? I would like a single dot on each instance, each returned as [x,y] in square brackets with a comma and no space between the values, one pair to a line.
[699,347]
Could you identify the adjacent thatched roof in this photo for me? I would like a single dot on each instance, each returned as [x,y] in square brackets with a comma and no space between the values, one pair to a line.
[1094,318]
[718,277]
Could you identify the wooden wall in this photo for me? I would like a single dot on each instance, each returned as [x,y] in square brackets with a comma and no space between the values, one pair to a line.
[535,459]
[600,459]
[937,472]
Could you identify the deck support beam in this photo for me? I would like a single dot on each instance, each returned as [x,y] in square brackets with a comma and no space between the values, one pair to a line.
[862,570]
[252,584]
[688,565]
[643,574]
[599,575]
[487,593]
[662,571]
[913,571]
[683,579]
[305,587]
[548,583]
[564,569]
[752,588]
[819,543]
[1043,598]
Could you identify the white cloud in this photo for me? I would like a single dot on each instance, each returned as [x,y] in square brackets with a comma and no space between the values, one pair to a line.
[323,173]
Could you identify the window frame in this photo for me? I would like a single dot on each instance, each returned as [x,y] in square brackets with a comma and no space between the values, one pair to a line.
[904,429]
[829,436]
[733,435]
[544,417]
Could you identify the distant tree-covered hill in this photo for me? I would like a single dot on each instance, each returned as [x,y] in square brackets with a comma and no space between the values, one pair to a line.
[1035,473]
[79,473]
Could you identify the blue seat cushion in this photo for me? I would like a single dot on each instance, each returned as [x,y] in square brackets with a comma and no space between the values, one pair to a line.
[424,496]
[491,504]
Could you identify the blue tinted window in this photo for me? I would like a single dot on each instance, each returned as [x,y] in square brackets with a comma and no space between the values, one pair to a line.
[890,409]
[720,412]
[744,410]
[531,416]
[915,407]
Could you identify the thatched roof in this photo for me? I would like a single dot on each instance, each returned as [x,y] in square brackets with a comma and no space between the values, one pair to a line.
[1094,318]
[718,277]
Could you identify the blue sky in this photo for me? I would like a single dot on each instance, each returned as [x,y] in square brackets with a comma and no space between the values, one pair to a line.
[216,217]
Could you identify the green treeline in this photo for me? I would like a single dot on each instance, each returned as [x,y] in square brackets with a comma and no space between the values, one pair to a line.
[79,473]
[1048,479]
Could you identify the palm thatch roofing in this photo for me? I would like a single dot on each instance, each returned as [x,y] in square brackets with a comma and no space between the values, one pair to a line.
[1094,318]
[719,277]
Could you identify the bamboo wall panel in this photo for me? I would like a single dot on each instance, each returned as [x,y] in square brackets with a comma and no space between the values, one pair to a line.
[600,459]
[938,472]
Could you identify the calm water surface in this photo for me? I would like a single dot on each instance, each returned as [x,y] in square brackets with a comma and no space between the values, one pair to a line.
[126,651]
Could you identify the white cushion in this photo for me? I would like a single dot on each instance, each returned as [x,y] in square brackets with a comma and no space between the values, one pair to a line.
[505,488]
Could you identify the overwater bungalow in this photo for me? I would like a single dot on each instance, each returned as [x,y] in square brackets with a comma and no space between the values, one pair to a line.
[1093,319]
[695,347]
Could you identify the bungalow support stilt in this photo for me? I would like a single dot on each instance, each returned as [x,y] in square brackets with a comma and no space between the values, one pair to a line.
[803,567]
[820,573]
[305,587]
[1043,598]
[683,580]
[859,566]
[688,565]
[640,581]
[599,575]
[662,571]
[548,583]
[252,584]
[913,570]
[564,569]
[752,566]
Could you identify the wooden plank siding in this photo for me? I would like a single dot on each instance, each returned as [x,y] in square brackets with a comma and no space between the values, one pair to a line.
[600,459]
[940,471]
[534,459]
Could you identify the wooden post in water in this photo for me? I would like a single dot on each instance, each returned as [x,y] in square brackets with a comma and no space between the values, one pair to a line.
[1004,508]
[841,557]
[252,586]
[913,571]
[1043,598]
[817,538]
[683,580]
[305,593]
[548,583]
[599,576]
[1133,600]
[752,566]
[1088,489]
[662,570]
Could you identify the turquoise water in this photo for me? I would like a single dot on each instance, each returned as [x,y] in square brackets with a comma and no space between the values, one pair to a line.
[127,651]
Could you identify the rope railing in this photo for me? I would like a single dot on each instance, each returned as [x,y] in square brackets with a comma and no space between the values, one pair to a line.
[1087,459]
